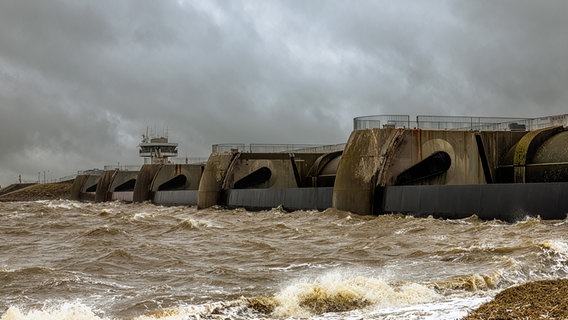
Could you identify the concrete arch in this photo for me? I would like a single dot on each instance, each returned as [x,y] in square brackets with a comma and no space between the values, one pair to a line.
[362,167]
[82,186]
[142,189]
[211,182]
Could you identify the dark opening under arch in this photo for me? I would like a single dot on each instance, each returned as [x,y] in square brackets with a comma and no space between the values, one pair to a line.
[126,186]
[433,165]
[176,183]
[254,178]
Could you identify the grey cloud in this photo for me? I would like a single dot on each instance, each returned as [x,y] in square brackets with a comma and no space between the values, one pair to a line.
[80,81]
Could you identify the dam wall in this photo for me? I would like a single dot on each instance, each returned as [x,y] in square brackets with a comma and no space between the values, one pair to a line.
[494,168]
[260,180]
[116,185]
[177,184]
[84,187]
[211,183]
[168,183]
[122,186]
[142,189]
[377,162]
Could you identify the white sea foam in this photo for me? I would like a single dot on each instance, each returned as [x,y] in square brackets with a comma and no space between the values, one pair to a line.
[64,311]
[557,246]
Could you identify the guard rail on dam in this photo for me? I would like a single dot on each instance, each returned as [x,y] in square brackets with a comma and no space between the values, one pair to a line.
[460,168]
[458,122]
[276,148]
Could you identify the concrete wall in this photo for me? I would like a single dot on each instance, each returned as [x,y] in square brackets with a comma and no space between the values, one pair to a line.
[286,170]
[212,179]
[190,173]
[82,186]
[230,171]
[366,155]
[102,192]
[153,178]
[111,180]
[374,158]
[142,188]
[177,184]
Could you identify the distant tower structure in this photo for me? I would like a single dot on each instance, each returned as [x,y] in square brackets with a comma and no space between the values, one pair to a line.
[157,149]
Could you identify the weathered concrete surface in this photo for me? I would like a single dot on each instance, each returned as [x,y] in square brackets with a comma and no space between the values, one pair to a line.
[323,171]
[177,184]
[496,145]
[212,179]
[287,170]
[115,181]
[374,158]
[84,187]
[103,186]
[187,175]
[525,149]
[122,181]
[367,152]
[142,188]
[461,146]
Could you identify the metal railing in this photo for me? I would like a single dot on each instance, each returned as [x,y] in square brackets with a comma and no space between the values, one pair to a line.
[189,160]
[381,121]
[459,122]
[471,123]
[90,172]
[276,148]
[128,167]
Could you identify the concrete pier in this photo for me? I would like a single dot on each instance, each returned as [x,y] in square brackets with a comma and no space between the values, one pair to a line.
[85,186]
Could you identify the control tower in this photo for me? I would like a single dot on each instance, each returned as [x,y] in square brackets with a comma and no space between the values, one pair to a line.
[157,149]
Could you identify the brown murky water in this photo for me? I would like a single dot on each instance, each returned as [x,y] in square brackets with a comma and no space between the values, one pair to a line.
[71,260]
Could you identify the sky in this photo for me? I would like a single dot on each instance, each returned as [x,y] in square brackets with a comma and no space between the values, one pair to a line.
[81,81]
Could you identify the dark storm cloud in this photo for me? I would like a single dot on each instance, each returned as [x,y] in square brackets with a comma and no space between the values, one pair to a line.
[80,81]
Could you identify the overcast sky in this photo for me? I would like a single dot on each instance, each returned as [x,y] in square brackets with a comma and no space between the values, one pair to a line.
[81,81]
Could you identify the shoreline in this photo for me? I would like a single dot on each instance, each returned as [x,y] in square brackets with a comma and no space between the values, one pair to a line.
[44,191]
[543,299]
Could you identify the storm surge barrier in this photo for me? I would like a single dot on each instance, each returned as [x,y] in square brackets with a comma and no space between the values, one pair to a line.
[446,166]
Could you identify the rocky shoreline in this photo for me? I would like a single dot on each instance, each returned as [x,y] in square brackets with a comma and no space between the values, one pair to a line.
[546,299]
[45,191]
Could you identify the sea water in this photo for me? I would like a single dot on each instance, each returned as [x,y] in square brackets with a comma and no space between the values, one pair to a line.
[72,260]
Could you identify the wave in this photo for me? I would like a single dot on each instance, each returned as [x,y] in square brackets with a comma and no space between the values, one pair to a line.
[557,246]
[104,231]
[189,224]
[7,273]
[472,282]
[67,310]
[339,291]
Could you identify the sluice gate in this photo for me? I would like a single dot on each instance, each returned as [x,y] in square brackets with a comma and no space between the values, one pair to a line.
[448,167]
